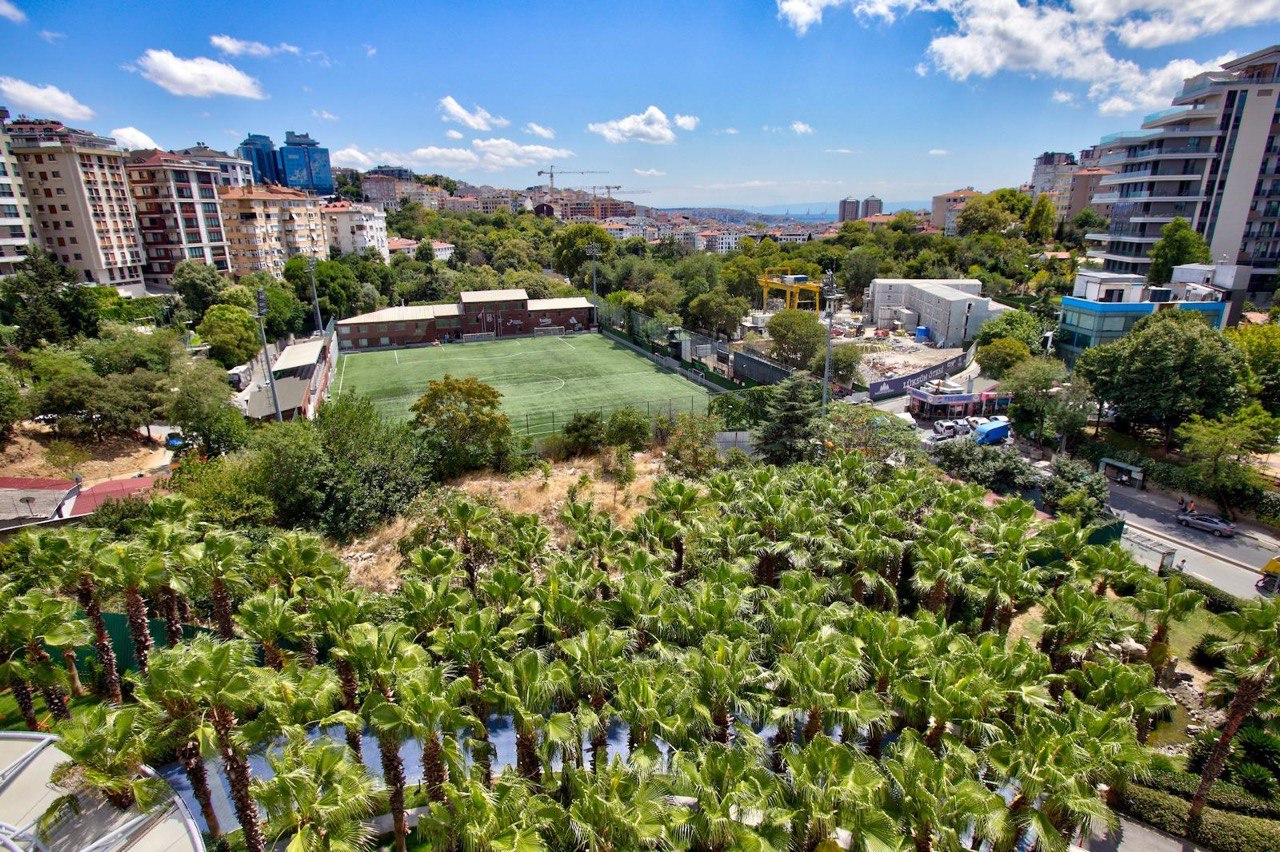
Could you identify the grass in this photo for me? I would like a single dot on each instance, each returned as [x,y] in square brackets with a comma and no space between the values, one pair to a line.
[543,380]
[11,717]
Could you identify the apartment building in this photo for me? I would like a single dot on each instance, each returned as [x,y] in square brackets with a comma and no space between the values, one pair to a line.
[232,170]
[850,210]
[1213,158]
[179,213]
[1079,194]
[397,172]
[946,201]
[721,242]
[305,165]
[461,204]
[495,202]
[872,206]
[260,152]
[1051,172]
[353,228]
[950,309]
[267,225]
[17,231]
[79,194]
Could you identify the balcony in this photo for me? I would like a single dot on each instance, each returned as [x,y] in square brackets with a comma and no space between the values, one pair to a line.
[1175,113]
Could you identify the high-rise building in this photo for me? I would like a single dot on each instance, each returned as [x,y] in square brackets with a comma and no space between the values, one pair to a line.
[397,172]
[1079,194]
[353,228]
[80,201]
[232,170]
[945,202]
[179,213]
[260,151]
[1213,159]
[16,229]
[267,225]
[850,210]
[1050,169]
[872,206]
[305,165]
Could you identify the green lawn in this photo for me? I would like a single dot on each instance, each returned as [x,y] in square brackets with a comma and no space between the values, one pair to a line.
[542,380]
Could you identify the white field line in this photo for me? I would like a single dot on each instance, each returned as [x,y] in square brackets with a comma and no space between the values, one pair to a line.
[343,375]
[567,343]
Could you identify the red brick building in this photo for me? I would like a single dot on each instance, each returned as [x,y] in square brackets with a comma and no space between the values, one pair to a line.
[505,313]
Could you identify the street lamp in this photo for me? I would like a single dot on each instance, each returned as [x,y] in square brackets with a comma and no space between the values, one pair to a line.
[593,252]
[829,293]
[315,300]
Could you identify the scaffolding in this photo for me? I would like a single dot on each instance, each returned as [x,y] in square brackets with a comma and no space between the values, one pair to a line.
[795,288]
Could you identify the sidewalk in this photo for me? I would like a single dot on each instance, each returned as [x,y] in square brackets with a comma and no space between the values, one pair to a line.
[1136,837]
[1163,501]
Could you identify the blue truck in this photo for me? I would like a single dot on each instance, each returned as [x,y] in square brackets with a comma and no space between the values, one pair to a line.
[991,433]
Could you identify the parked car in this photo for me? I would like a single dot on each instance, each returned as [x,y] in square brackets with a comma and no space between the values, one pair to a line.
[963,427]
[945,427]
[174,441]
[975,422]
[1220,527]
[998,418]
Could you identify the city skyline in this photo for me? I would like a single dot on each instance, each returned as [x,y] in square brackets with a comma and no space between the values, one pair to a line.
[768,103]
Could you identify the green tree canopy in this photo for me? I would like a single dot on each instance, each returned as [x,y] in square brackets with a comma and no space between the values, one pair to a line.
[1260,345]
[1001,355]
[1018,325]
[461,420]
[983,214]
[232,334]
[198,284]
[1179,243]
[718,312]
[797,336]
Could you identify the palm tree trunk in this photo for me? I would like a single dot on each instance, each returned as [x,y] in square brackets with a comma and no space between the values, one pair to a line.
[87,595]
[937,596]
[989,613]
[135,609]
[393,777]
[813,725]
[237,769]
[481,732]
[193,766]
[600,736]
[433,771]
[55,698]
[720,719]
[73,673]
[26,704]
[781,739]
[527,763]
[350,693]
[1241,706]
[272,656]
[168,604]
[222,614]
[677,567]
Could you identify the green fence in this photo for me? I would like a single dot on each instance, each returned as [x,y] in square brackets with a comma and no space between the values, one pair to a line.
[546,423]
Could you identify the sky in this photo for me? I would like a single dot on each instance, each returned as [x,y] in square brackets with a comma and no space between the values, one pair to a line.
[697,102]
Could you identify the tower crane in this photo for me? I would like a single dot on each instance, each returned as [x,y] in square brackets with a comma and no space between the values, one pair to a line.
[551,172]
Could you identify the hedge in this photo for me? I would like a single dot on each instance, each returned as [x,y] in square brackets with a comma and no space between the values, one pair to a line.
[1223,796]
[1215,600]
[1222,831]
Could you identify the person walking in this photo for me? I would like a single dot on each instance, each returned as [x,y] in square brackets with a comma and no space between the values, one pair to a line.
[1182,503]
[1191,507]
[1182,566]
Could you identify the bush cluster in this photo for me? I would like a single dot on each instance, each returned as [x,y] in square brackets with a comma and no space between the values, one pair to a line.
[1223,796]
[1220,830]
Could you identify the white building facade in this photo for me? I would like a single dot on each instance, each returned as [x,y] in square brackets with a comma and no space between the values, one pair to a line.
[353,228]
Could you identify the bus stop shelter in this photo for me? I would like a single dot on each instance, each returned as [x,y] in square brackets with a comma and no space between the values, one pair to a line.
[1122,472]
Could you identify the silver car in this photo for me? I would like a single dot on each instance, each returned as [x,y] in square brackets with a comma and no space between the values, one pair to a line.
[1220,527]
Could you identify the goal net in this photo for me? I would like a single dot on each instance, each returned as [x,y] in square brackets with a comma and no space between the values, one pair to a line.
[549,331]
[478,336]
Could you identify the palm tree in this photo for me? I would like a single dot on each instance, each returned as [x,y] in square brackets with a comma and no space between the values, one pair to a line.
[730,799]
[648,697]
[680,504]
[931,795]
[1076,621]
[1163,602]
[617,809]
[107,757]
[319,795]
[1005,583]
[33,622]
[1109,565]
[169,539]
[335,611]
[1127,690]
[300,563]
[594,659]
[940,571]
[829,786]
[430,700]
[135,570]
[528,688]
[1254,653]
[724,679]
[218,562]
[466,522]
[270,618]
[477,817]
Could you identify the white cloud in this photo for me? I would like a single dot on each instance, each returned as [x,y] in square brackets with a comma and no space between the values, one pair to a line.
[686,122]
[232,46]
[132,138]
[648,172]
[46,100]
[12,12]
[538,130]
[489,155]
[842,151]
[323,114]
[938,152]
[800,128]
[1068,40]
[744,184]
[51,36]
[477,119]
[453,134]
[1062,97]
[369,50]
[651,127]
[771,128]
[199,77]
[727,131]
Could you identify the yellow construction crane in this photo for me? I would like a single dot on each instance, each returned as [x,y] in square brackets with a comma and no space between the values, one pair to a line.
[551,172]
[795,288]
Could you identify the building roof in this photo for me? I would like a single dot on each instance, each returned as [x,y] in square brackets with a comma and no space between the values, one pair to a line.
[27,762]
[967,192]
[25,497]
[472,296]
[399,314]
[562,304]
[261,191]
[438,244]
[88,500]
[156,157]
[946,282]
[202,150]
[301,354]
[401,244]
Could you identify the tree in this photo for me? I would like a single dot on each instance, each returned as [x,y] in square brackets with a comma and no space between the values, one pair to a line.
[107,756]
[691,446]
[844,364]
[66,456]
[569,247]
[34,300]
[12,408]
[628,427]
[1016,324]
[718,312]
[1260,345]
[461,421]
[790,426]
[1033,384]
[1017,204]
[872,432]
[1179,243]
[1040,222]
[1223,450]
[857,271]
[1001,355]
[231,333]
[983,214]
[797,336]
[198,284]
[584,432]
[201,407]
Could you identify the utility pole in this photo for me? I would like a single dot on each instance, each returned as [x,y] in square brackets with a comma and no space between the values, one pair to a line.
[315,300]
[829,291]
[593,252]
[262,327]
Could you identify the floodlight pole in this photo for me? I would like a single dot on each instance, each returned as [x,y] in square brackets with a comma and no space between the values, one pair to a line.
[828,291]
[266,356]
[593,252]
[315,300]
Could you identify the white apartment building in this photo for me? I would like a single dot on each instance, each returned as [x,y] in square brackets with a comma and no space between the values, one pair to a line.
[494,202]
[1052,172]
[1213,159]
[721,242]
[266,225]
[16,229]
[179,214]
[441,250]
[952,309]
[353,228]
[81,205]
[231,170]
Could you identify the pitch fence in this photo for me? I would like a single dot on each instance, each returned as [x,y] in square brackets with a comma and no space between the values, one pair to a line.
[544,424]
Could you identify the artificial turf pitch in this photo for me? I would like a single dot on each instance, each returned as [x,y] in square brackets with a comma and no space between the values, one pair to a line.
[543,380]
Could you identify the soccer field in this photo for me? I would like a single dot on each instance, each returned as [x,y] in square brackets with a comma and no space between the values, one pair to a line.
[543,380]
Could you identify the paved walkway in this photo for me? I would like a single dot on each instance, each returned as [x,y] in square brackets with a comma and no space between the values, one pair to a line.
[1135,837]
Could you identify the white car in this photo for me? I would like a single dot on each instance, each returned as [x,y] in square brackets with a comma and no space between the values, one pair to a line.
[998,418]
[975,422]
[963,427]
[945,427]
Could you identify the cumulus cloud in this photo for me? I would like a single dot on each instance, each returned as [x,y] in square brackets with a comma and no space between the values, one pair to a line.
[232,46]
[1067,40]
[648,172]
[651,127]
[771,128]
[453,134]
[938,152]
[46,100]
[198,77]
[1061,97]
[800,128]
[538,130]
[726,131]
[11,12]
[686,122]
[477,119]
[369,50]
[51,36]
[489,155]
[323,114]
[132,138]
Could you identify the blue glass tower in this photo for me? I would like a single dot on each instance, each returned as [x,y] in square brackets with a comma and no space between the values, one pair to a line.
[305,165]
[261,152]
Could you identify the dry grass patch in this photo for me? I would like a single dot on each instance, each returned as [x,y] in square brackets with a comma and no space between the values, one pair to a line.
[24,455]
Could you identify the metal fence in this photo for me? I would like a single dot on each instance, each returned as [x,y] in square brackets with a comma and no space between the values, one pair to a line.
[544,424]
[895,387]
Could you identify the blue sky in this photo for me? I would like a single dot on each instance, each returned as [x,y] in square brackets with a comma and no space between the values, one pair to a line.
[715,102]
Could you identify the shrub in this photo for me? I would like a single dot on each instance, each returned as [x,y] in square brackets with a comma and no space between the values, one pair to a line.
[628,427]
[1256,779]
[691,450]
[1205,653]
[1261,746]
[1219,830]
[584,433]
[554,447]
[1215,600]
[1223,796]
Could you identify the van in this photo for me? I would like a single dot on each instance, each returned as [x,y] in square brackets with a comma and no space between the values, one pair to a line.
[945,427]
